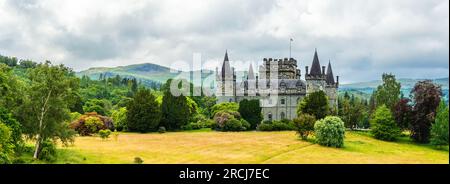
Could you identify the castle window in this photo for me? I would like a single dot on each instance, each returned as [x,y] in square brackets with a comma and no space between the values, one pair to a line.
[282,115]
[269,116]
[230,100]
[270,101]
[283,101]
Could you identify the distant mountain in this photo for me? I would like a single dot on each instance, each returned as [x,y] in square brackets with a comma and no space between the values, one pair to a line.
[146,72]
[365,89]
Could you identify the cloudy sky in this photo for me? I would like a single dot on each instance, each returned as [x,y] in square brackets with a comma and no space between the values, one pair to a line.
[363,39]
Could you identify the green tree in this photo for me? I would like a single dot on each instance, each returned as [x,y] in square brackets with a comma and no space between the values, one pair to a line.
[226,106]
[439,130]
[330,131]
[315,104]
[47,104]
[100,106]
[304,125]
[250,110]
[120,119]
[388,93]
[6,147]
[176,111]
[383,125]
[143,112]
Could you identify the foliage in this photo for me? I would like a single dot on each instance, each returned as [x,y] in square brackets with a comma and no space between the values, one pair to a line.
[46,104]
[48,151]
[104,134]
[227,106]
[250,110]
[402,112]
[99,106]
[199,121]
[91,123]
[276,125]
[353,111]
[439,130]
[426,98]
[226,121]
[74,116]
[143,112]
[15,127]
[175,109]
[383,125]
[120,119]
[138,160]
[6,145]
[11,89]
[315,104]
[330,131]
[388,93]
[304,125]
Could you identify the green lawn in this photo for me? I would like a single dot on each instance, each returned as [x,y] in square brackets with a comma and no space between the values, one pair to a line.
[205,146]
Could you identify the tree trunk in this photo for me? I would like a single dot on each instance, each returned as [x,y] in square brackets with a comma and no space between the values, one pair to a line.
[41,122]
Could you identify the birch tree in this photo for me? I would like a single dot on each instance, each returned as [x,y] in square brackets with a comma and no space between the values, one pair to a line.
[46,107]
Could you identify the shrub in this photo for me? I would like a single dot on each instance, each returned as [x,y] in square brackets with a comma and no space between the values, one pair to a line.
[304,125]
[230,121]
[138,160]
[276,125]
[162,129]
[232,125]
[91,123]
[48,151]
[383,125]
[330,132]
[315,104]
[104,134]
[227,106]
[6,147]
[439,130]
[15,127]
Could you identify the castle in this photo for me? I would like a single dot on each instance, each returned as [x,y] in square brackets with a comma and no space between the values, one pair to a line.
[278,86]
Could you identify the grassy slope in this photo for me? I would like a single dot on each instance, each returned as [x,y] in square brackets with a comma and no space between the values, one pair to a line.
[244,147]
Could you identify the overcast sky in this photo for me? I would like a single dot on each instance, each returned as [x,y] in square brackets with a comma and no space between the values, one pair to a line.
[363,39]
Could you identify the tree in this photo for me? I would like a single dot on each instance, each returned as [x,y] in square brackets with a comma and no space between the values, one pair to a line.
[176,111]
[6,147]
[383,125]
[439,130]
[15,127]
[226,106]
[100,106]
[402,112]
[315,104]
[46,104]
[250,110]
[426,96]
[11,89]
[120,119]
[304,125]
[144,113]
[388,93]
[330,131]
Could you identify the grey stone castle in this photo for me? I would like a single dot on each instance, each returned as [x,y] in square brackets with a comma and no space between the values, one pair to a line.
[278,86]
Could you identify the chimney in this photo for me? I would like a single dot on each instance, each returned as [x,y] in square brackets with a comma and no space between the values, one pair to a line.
[337,80]
[323,70]
[306,67]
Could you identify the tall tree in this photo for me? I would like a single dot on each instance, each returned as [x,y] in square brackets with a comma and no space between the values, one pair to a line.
[426,96]
[175,109]
[143,112]
[388,93]
[439,130]
[47,104]
[315,104]
[402,112]
[250,110]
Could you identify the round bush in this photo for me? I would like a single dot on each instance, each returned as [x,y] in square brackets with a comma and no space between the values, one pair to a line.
[104,134]
[330,131]
[162,129]
[232,125]
[48,151]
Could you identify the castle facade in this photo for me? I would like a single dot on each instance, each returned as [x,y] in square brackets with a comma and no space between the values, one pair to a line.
[278,85]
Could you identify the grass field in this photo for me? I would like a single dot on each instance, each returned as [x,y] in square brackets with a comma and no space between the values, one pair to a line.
[244,147]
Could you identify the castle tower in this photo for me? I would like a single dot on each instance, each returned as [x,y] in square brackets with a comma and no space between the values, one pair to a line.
[226,82]
[316,78]
[331,88]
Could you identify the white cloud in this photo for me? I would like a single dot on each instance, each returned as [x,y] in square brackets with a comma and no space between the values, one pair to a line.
[361,37]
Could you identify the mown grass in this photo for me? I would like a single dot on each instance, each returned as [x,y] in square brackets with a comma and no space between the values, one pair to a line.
[206,146]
